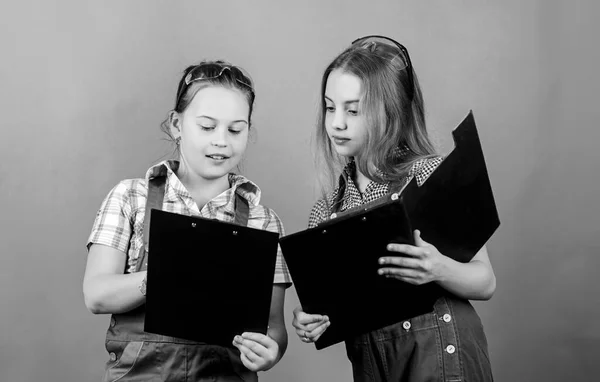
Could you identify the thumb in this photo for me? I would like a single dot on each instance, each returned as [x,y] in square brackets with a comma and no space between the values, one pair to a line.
[419,242]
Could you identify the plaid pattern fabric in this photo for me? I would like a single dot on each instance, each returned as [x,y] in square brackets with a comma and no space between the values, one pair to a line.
[120,220]
[352,196]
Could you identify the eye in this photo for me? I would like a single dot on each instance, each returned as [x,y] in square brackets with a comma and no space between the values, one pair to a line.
[236,132]
[329,109]
[353,112]
[207,127]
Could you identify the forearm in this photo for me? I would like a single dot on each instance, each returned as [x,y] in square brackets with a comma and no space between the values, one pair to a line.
[113,293]
[278,333]
[472,281]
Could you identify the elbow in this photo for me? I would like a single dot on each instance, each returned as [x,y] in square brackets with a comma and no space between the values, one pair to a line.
[93,305]
[490,289]
[93,300]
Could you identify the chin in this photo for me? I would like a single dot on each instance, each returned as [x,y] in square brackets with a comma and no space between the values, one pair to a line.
[215,175]
[345,153]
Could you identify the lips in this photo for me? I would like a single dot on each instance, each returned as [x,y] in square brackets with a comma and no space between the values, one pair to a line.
[339,140]
[217,156]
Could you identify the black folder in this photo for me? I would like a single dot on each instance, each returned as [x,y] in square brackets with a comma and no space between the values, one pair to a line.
[334,265]
[208,280]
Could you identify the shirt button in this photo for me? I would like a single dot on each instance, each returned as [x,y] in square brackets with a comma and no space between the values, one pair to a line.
[406,325]
[450,349]
[333,215]
[113,357]
[447,318]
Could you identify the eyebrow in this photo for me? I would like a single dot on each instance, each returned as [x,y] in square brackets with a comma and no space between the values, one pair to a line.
[346,102]
[215,120]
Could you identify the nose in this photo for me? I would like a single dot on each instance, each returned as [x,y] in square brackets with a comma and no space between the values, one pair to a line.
[219,137]
[339,120]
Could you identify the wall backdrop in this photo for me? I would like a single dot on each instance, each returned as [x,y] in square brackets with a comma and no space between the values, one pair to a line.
[85,85]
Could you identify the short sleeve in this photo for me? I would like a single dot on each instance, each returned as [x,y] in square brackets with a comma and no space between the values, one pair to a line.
[282,274]
[113,224]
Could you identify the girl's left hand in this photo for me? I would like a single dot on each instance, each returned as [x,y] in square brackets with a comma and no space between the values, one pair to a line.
[422,264]
[258,352]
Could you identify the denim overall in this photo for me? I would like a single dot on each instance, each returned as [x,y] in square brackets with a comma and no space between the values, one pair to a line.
[136,355]
[447,344]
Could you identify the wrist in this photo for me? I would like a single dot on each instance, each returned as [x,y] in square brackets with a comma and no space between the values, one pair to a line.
[443,269]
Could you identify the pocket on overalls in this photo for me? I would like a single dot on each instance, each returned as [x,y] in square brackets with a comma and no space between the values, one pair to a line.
[122,358]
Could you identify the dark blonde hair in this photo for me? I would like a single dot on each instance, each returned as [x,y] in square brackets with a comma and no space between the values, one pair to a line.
[392,103]
[212,73]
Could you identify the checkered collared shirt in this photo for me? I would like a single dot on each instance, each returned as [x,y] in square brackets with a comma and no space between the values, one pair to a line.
[352,197]
[120,220]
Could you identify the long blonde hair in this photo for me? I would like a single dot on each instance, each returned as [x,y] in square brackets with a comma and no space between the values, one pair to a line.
[392,103]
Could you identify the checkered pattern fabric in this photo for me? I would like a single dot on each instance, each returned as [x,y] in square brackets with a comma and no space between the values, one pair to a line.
[352,197]
[120,220]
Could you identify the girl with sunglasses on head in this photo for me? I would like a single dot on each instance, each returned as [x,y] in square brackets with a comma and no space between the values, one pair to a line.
[372,124]
[210,125]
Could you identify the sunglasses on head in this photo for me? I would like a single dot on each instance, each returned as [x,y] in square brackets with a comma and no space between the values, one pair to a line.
[371,43]
[212,70]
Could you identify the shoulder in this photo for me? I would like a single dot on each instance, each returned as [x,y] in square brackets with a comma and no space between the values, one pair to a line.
[131,187]
[128,193]
[424,167]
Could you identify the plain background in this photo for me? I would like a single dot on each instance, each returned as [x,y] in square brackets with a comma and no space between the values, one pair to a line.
[85,85]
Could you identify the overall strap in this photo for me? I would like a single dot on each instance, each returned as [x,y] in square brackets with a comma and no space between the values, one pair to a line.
[242,210]
[156,193]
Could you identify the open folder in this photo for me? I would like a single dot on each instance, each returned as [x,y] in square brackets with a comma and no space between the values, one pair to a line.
[208,280]
[334,265]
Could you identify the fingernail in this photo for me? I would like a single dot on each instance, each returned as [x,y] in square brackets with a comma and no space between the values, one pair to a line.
[380,271]
[382,260]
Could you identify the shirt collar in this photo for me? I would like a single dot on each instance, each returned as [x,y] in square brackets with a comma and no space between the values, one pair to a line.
[238,184]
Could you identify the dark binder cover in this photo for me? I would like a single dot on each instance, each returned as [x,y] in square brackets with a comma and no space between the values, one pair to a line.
[334,265]
[208,280]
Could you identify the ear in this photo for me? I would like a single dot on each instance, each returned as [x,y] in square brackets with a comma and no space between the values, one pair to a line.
[175,124]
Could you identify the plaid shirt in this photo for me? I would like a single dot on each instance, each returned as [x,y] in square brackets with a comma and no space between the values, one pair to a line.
[353,197]
[120,220]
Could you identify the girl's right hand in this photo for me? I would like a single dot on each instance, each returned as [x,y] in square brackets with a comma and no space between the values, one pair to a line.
[309,327]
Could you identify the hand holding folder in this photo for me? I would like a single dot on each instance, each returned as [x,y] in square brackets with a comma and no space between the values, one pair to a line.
[208,280]
[334,265]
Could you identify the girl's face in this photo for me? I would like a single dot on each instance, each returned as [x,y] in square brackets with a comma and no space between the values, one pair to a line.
[214,131]
[344,121]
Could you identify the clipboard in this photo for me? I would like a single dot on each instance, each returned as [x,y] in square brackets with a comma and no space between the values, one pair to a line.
[208,280]
[334,265]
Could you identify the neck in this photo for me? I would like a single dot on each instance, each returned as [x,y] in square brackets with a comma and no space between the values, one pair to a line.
[201,189]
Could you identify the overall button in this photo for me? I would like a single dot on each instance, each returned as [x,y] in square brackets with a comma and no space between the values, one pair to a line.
[113,357]
[450,349]
[112,322]
[447,318]
[406,325]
